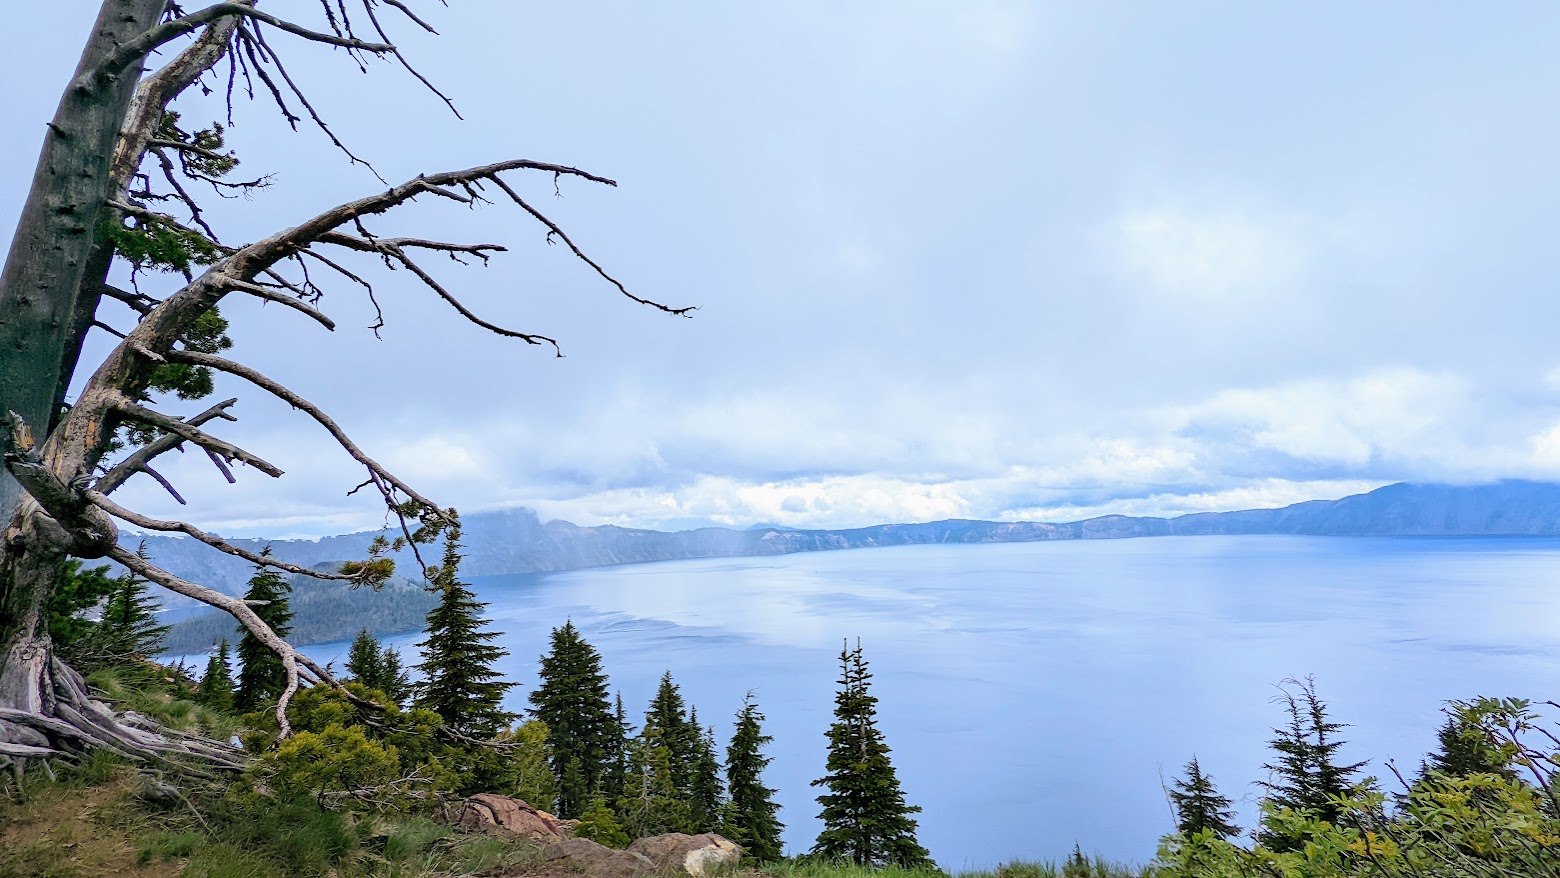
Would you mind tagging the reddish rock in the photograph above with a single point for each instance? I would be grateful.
(511, 818)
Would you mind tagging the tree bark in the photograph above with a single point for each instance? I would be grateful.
(63, 220)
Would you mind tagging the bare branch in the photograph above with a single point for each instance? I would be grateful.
(137, 49)
(224, 450)
(400, 256)
(254, 38)
(221, 466)
(141, 302)
(89, 532)
(377, 245)
(108, 329)
(409, 14)
(211, 540)
(189, 202)
(167, 485)
(292, 398)
(137, 462)
(555, 231)
(291, 658)
(374, 19)
(293, 302)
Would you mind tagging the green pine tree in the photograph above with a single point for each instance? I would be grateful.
(1465, 748)
(680, 737)
(1198, 805)
(1306, 776)
(261, 676)
(78, 591)
(865, 818)
(128, 624)
(572, 700)
(459, 682)
(377, 667)
(363, 658)
(619, 734)
(750, 815)
(528, 768)
(216, 685)
(707, 794)
(651, 804)
(599, 824)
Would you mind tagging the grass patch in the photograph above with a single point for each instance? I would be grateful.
(164, 695)
(1076, 866)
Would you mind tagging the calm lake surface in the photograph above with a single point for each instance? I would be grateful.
(1033, 693)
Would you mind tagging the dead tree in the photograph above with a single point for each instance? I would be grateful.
(64, 459)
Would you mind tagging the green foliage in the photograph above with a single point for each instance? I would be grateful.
(1479, 824)
(211, 161)
(459, 682)
(76, 590)
(129, 621)
(680, 737)
(619, 733)
(166, 695)
(1307, 777)
(262, 677)
(216, 684)
(1467, 747)
(599, 824)
(865, 818)
(206, 335)
(571, 700)
(816, 867)
(149, 243)
(126, 630)
(378, 667)
(528, 772)
(425, 758)
(1198, 805)
(337, 764)
(651, 804)
(706, 794)
(749, 818)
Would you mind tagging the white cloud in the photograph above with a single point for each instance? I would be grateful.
(1222, 257)
(1401, 413)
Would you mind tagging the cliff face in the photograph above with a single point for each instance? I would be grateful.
(516, 541)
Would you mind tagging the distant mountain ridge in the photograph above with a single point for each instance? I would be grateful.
(516, 541)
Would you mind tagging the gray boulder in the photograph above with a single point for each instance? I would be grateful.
(695, 855)
(597, 861)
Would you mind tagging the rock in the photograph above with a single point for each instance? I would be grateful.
(598, 861)
(696, 855)
(501, 815)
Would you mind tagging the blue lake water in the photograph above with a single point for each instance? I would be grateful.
(1033, 693)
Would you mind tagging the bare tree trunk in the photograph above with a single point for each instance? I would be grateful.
(63, 221)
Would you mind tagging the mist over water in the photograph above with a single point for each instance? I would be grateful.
(1032, 693)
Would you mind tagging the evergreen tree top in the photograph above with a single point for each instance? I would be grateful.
(866, 819)
(460, 683)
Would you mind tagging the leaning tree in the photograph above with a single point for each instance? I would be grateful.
(114, 181)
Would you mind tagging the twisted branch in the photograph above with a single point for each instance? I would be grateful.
(216, 542)
(225, 450)
(138, 461)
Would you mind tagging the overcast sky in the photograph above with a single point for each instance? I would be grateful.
(1003, 260)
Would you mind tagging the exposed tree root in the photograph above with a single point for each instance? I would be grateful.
(65, 721)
